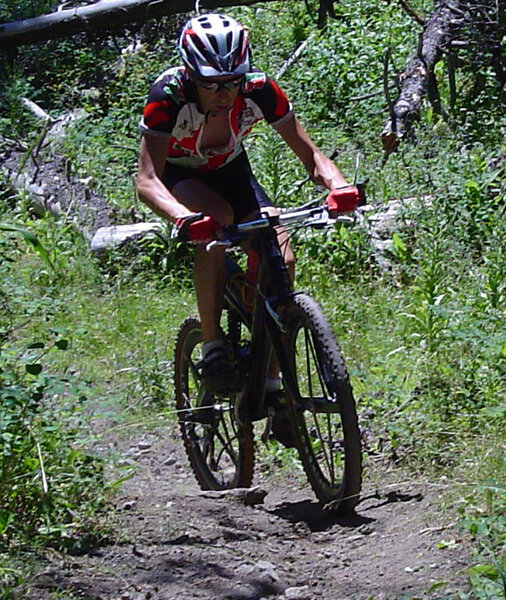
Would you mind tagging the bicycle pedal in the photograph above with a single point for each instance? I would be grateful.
(281, 430)
(244, 413)
(204, 416)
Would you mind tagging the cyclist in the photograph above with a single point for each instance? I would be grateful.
(193, 169)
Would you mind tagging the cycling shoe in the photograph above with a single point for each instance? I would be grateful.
(281, 429)
(218, 371)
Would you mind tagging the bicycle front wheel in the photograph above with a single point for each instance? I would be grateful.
(220, 451)
(321, 406)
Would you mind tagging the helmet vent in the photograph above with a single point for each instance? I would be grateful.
(214, 43)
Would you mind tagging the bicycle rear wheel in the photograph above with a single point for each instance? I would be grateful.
(321, 407)
(220, 451)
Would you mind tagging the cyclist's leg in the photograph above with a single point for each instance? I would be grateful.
(209, 267)
(246, 187)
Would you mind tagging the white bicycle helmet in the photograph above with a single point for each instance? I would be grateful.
(214, 45)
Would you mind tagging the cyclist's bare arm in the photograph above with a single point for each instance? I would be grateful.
(321, 169)
(149, 180)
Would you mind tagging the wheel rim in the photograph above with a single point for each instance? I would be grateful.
(317, 418)
(208, 426)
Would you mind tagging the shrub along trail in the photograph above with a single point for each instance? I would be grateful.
(171, 541)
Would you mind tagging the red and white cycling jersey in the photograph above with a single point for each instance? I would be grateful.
(172, 111)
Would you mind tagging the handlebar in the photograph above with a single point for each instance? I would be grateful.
(316, 218)
(308, 215)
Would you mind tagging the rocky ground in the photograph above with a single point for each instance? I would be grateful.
(174, 542)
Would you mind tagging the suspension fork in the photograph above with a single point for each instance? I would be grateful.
(260, 353)
(273, 283)
(276, 337)
(279, 287)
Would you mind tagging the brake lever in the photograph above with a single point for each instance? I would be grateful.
(322, 220)
(217, 243)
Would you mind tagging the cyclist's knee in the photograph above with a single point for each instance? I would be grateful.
(199, 197)
(289, 257)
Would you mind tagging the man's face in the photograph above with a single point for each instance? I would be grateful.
(217, 94)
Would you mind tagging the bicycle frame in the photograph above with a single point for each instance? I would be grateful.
(274, 291)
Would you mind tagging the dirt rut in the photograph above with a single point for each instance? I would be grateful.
(174, 542)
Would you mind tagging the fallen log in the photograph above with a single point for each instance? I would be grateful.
(418, 75)
(100, 16)
(108, 237)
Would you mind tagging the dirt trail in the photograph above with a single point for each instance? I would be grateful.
(174, 542)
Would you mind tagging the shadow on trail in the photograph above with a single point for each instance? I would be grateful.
(316, 518)
(389, 498)
(205, 572)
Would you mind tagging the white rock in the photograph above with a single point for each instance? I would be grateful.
(298, 593)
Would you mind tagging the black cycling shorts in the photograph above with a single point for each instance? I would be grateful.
(234, 181)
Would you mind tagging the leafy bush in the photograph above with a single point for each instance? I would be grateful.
(487, 526)
(50, 488)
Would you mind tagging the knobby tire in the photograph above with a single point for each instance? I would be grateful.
(329, 442)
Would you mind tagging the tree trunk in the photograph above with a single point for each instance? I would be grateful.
(103, 15)
(418, 75)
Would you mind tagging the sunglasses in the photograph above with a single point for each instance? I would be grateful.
(215, 87)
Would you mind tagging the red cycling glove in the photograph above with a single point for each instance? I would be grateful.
(341, 200)
(197, 228)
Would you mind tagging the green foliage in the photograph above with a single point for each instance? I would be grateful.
(31, 239)
(50, 488)
(14, 10)
(487, 525)
(14, 119)
(340, 253)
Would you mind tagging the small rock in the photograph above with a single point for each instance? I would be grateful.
(245, 570)
(366, 529)
(232, 535)
(298, 593)
(261, 572)
(248, 496)
(170, 461)
(267, 569)
(144, 445)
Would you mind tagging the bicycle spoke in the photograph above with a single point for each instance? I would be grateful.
(226, 441)
(220, 458)
(333, 466)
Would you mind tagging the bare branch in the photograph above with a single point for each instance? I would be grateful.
(293, 58)
(418, 73)
(412, 13)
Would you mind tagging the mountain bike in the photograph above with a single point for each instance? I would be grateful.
(264, 317)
